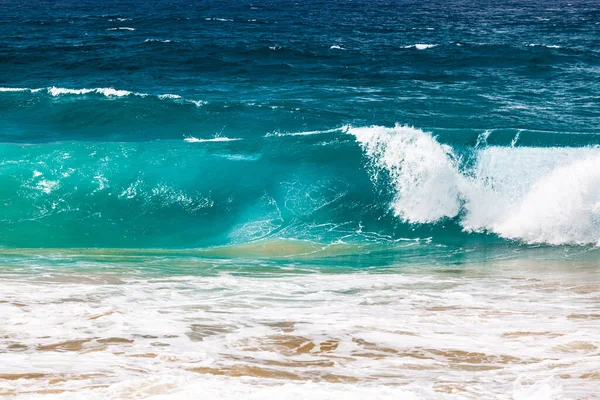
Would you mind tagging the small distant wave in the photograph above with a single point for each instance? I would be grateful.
(107, 92)
(192, 139)
(120, 19)
(157, 41)
(219, 19)
(121, 28)
(307, 133)
(197, 103)
(169, 96)
(275, 48)
(11, 89)
(337, 47)
(549, 46)
(420, 46)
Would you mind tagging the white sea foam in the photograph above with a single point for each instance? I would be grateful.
(11, 89)
(121, 28)
(55, 91)
(47, 186)
(219, 19)
(197, 103)
(425, 334)
(549, 46)
(192, 139)
(337, 47)
(307, 133)
(420, 46)
(118, 93)
(536, 195)
(169, 96)
(157, 41)
(108, 92)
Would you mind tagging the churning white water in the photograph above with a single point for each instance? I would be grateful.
(536, 195)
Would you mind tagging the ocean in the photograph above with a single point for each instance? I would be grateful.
(300, 199)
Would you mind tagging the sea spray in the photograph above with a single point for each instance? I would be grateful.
(534, 195)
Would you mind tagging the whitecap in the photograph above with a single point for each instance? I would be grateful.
(13, 89)
(307, 133)
(337, 47)
(197, 103)
(56, 91)
(169, 96)
(549, 46)
(420, 46)
(157, 41)
(121, 28)
(108, 92)
(114, 92)
(192, 139)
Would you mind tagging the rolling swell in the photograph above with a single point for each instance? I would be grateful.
(352, 184)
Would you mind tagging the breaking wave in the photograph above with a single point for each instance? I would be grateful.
(534, 195)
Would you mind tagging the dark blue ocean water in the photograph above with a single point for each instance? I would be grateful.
(194, 124)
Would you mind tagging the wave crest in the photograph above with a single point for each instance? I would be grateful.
(107, 92)
(535, 195)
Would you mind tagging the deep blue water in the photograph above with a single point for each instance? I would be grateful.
(106, 109)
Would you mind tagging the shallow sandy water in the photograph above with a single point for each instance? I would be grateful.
(511, 330)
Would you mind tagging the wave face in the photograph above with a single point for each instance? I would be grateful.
(202, 124)
(353, 184)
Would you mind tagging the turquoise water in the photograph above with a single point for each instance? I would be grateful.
(333, 199)
(192, 125)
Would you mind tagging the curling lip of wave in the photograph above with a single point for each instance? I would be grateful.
(534, 195)
(107, 92)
